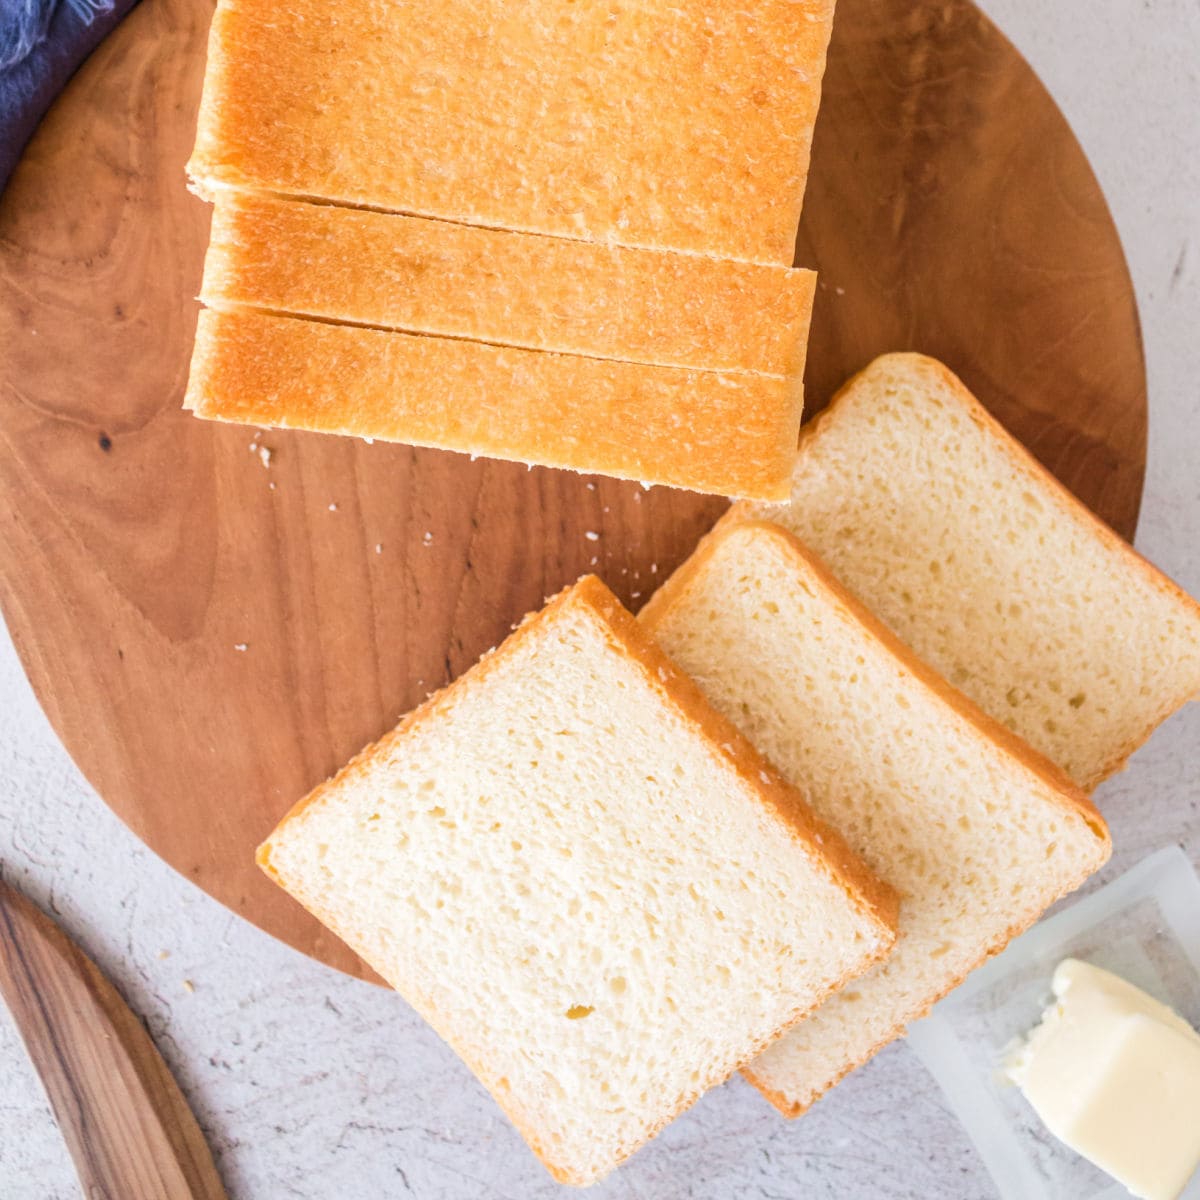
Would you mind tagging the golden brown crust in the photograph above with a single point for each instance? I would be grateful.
(874, 899)
(1038, 476)
(729, 434)
(513, 289)
(699, 116)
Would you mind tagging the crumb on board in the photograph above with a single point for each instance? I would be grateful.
(591, 535)
(271, 485)
(427, 537)
(264, 456)
(654, 568)
(594, 561)
(241, 646)
(332, 507)
(378, 547)
(591, 487)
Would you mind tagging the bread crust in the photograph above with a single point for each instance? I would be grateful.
(697, 134)
(825, 849)
(992, 736)
(1037, 476)
(717, 432)
(541, 293)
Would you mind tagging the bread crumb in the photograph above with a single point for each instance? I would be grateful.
(264, 456)
(840, 291)
(369, 441)
(654, 568)
(594, 561)
(592, 535)
(427, 538)
(591, 487)
(378, 547)
(164, 954)
(333, 508)
(271, 485)
(243, 646)
(188, 986)
(637, 497)
(634, 595)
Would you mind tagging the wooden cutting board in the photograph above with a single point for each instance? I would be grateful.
(211, 638)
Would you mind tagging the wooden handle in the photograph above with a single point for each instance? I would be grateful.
(124, 1120)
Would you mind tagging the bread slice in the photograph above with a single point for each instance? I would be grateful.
(684, 126)
(720, 432)
(973, 554)
(586, 880)
(978, 834)
(407, 273)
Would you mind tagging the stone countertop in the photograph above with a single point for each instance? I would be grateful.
(309, 1084)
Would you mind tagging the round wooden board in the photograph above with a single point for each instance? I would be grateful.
(211, 638)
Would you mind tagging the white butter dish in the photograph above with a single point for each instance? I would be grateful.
(1143, 926)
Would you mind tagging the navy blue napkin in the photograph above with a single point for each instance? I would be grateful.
(42, 43)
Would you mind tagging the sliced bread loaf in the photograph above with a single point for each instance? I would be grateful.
(514, 289)
(675, 126)
(977, 834)
(977, 558)
(723, 432)
(586, 880)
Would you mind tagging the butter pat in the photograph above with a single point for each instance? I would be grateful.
(1116, 1076)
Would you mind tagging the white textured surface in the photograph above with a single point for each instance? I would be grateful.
(311, 1085)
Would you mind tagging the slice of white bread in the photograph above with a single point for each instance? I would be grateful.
(514, 289)
(978, 834)
(721, 432)
(675, 126)
(586, 880)
(977, 558)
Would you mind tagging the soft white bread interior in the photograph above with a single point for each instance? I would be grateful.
(587, 880)
(977, 834)
(977, 558)
(513, 289)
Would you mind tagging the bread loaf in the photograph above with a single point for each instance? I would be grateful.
(681, 126)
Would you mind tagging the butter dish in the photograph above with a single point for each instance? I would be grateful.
(1143, 926)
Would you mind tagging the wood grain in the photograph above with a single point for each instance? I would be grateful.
(126, 1124)
(949, 210)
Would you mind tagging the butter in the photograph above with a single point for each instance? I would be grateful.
(1116, 1076)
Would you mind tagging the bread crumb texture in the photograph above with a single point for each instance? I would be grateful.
(576, 887)
(976, 842)
(926, 509)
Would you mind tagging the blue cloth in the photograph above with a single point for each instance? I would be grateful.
(42, 43)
